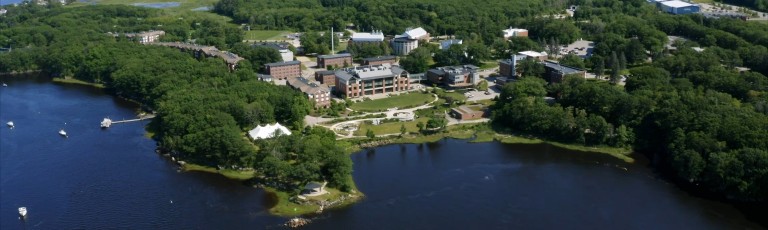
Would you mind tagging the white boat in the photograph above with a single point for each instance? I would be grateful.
(63, 133)
(23, 212)
(5, 85)
(10, 124)
(106, 123)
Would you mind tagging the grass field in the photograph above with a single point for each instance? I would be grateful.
(389, 128)
(399, 101)
(266, 34)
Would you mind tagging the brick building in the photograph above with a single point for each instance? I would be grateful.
(326, 77)
(317, 93)
(467, 112)
(454, 76)
(338, 60)
(370, 80)
(283, 70)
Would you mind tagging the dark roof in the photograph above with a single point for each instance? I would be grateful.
(335, 56)
(324, 72)
(274, 45)
(313, 186)
(561, 68)
(379, 58)
(307, 86)
(283, 63)
(264, 76)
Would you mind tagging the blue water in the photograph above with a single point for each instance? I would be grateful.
(9, 2)
(113, 179)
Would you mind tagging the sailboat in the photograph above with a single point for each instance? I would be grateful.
(23, 212)
(63, 133)
(106, 123)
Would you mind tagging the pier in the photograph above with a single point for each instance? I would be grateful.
(107, 122)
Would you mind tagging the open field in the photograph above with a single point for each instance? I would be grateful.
(399, 101)
(390, 128)
(266, 34)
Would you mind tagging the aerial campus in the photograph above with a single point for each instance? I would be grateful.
(576, 77)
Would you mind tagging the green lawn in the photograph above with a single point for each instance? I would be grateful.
(389, 128)
(186, 5)
(399, 101)
(266, 34)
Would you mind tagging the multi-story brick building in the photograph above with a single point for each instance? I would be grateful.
(370, 80)
(337, 60)
(454, 76)
(283, 70)
(326, 77)
(380, 60)
(317, 93)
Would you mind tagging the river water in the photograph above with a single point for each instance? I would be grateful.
(112, 178)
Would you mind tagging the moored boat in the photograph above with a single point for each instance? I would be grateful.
(23, 212)
(106, 123)
(10, 124)
(63, 133)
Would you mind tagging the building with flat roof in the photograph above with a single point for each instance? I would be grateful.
(316, 92)
(337, 60)
(283, 70)
(146, 37)
(515, 32)
(555, 72)
(465, 112)
(507, 67)
(326, 77)
(370, 80)
(375, 36)
(380, 60)
(454, 76)
(282, 47)
(678, 7)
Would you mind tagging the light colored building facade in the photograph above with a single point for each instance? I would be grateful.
(375, 36)
(317, 93)
(515, 32)
(370, 80)
(445, 44)
(146, 37)
(283, 70)
(409, 40)
(337, 60)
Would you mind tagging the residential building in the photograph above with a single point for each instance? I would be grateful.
(283, 70)
(282, 47)
(515, 32)
(467, 112)
(326, 77)
(555, 73)
(268, 131)
(370, 80)
(454, 76)
(392, 60)
(146, 37)
(409, 40)
(317, 93)
(444, 45)
(337, 60)
(678, 7)
(3, 11)
(375, 36)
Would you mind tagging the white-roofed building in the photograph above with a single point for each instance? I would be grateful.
(408, 41)
(375, 36)
(3, 11)
(371, 79)
(444, 45)
(515, 32)
(533, 54)
(678, 7)
(268, 131)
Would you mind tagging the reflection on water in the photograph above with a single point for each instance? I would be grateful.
(158, 5)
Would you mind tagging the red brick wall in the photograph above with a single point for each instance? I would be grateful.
(285, 71)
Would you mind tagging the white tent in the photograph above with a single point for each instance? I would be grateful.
(268, 131)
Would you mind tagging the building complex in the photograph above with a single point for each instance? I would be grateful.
(454, 76)
(317, 93)
(283, 70)
(409, 40)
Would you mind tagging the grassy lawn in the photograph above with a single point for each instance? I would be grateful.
(489, 65)
(389, 128)
(399, 101)
(266, 34)
(76, 81)
(231, 174)
(342, 46)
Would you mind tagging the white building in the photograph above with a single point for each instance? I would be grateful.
(146, 37)
(444, 45)
(268, 131)
(515, 32)
(375, 36)
(408, 41)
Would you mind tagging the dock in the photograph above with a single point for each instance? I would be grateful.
(107, 122)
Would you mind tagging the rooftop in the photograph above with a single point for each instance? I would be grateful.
(415, 33)
(335, 56)
(268, 131)
(285, 63)
(676, 4)
(307, 86)
(369, 72)
(379, 58)
(373, 36)
(533, 53)
(561, 68)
